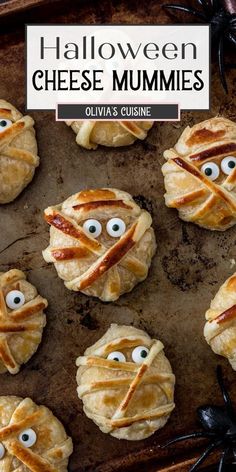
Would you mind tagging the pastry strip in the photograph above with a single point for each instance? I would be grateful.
(11, 277)
(94, 361)
(212, 186)
(188, 198)
(113, 255)
(16, 321)
(29, 309)
(31, 460)
(22, 155)
(128, 421)
(122, 382)
(10, 133)
(121, 410)
(83, 136)
(215, 151)
(119, 419)
(6, 356)
(133, 128)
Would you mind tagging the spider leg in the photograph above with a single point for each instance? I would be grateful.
(231, 38)
(224, 83)
(205, 455)
(205, 5)
(234, 453)
(197, 434)
(185, 9)
(225, 393)
(223, 459)
(232, 21)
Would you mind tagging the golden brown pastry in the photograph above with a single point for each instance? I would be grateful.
(101, 242)
(126, 383)
(18, 151)
(21, 320)
(200, 174)
(32, 439)
(220, 329)
(109, 133)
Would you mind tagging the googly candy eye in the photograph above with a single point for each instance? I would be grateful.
(116, 356)
(2, 451)
(15, 299)
(116, 227)
(4, 124)
(139, 354)
(211, 170)
(92, 228)
(228, 164)
(28, 437)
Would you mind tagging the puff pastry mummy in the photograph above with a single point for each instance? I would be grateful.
(220, 328)
(126, 383)
(32, 439)
(18, 151)
(101, 242)
(109, 133)
(21, 320)
(200, 174)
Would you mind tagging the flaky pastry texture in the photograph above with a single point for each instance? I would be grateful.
(18, 151)
(104, 266)
(32, 439)
(132, 397)
(220, 328)
(89, 134)
(21, 327)
(199, 178)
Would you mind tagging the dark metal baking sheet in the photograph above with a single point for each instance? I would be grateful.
(189, 266)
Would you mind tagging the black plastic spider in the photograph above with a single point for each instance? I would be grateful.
(219, 424)
(221, 15)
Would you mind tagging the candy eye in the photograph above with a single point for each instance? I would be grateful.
(15, 299)
(116, 227)
(116, 356)
(4, 124)
(2, 451)
(228, 164)
(139, 354)
(211, 170)
(93, 228)
(28, 437)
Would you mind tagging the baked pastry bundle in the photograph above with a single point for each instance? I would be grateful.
(89, 134)
(200, 174)
(126, 383)
(21, 320)
(32, 439)
(101, 242)
(220, 328)
(18, 151)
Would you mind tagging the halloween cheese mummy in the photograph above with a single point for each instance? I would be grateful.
(21, 320)
(101, 242)
(32, 439)
(18, 152)
(200, 174)
(220, 328)
(126, 383)
(109, 133)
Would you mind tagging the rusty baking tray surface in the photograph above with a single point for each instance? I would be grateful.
(189, 266)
